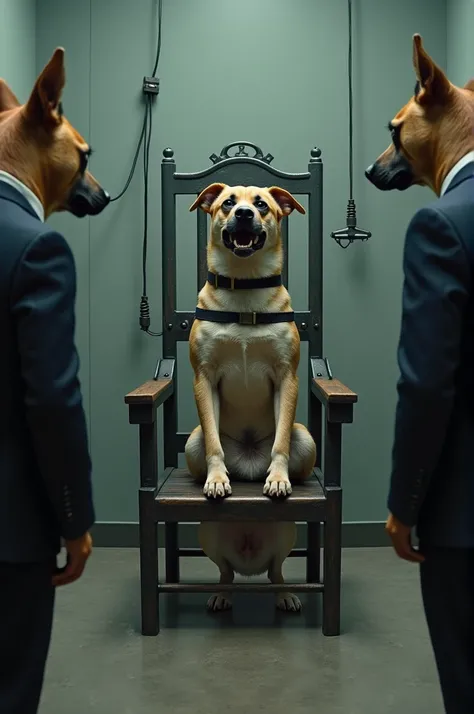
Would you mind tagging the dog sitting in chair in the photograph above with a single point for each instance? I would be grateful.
(245, 351)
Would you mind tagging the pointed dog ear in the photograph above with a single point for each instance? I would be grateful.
(7, 99)
(469, 85)
(434, 85)
(43, 106)
(207, 197)
(285, 200)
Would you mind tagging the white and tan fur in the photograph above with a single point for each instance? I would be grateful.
(246, 390)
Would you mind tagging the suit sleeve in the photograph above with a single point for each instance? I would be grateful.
(437, 283)
(43, 304)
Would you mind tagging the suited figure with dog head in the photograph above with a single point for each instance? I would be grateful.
(432, 480)
(45, 469)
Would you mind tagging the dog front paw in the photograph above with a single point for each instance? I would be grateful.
(277, 484)
(288, 602)
(217, 485)
(219, 602)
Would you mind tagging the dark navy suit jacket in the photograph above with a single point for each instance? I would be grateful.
(45, 486)
(432, 483)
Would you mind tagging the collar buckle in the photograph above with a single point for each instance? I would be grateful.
(247, 318)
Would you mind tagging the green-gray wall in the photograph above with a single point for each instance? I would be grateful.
(460, 48)
(18, 45)
(272, 72)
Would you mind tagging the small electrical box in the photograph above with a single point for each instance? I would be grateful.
(151, 85)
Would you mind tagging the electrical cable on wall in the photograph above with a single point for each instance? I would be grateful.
(351, 232)
(150, 88)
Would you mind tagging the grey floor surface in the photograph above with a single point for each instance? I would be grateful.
(250, 660)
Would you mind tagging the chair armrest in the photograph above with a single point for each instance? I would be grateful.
(332, 391)
(338, 399)
(154, 392)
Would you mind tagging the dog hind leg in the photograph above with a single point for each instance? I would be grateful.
(223, 600)
(286, 538)
(195, 453)
(302, 454)
(210, 541)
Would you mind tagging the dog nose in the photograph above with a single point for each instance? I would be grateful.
(369, 171)
(244, 214)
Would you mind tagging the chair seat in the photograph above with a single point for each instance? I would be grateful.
(181, 499)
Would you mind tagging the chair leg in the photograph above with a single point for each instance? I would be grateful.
(313, 560)
(332, 564)
(171, 553)
(149, 563)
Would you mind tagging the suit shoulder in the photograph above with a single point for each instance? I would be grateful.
(428, 215)
(457, 209)
(435, 221)
(16, 221)
(20, 231)
(23, 238)
(46, 240)
(47, 252)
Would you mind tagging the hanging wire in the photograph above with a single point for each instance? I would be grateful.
(134, 162)
(338, 239)
(349, 74)
(158, 47)
(351, 127)
(145, 141)
(145, 117)
(346, 236)
(144, 306)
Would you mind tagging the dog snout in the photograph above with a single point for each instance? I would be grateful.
(396, 173)
(244, 214)
(87, 198)
(379, 176)
(369, 171)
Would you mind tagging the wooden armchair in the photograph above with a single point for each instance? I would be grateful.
(172, 497)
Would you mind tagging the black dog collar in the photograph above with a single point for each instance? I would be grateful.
(221, 281)
(244, 318)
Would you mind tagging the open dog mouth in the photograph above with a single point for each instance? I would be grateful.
(243, 243)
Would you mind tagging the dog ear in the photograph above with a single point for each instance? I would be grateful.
(434, 85)
(285, 200)
(207, 197)
(43, 106)
(469, 85)
(7, 99)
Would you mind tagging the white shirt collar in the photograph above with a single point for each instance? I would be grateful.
(455, 170)
(27, 193)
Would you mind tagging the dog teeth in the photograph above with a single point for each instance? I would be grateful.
(238, 245)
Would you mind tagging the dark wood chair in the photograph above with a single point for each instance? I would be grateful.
(172, 497)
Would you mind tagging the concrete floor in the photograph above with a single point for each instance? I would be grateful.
(250, 660)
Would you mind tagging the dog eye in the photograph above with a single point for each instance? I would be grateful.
(261, 205)
(83, 160)
(228, 203)
(84, 157)
(395, 134)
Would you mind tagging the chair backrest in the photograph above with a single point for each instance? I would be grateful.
(234, 166)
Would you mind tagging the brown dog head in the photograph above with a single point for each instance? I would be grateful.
(429, 134)
(246, 219)
(40, 147)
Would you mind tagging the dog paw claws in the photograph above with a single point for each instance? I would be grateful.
(288, 602)
(277, 485)
(217, 486)
(219, 602)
